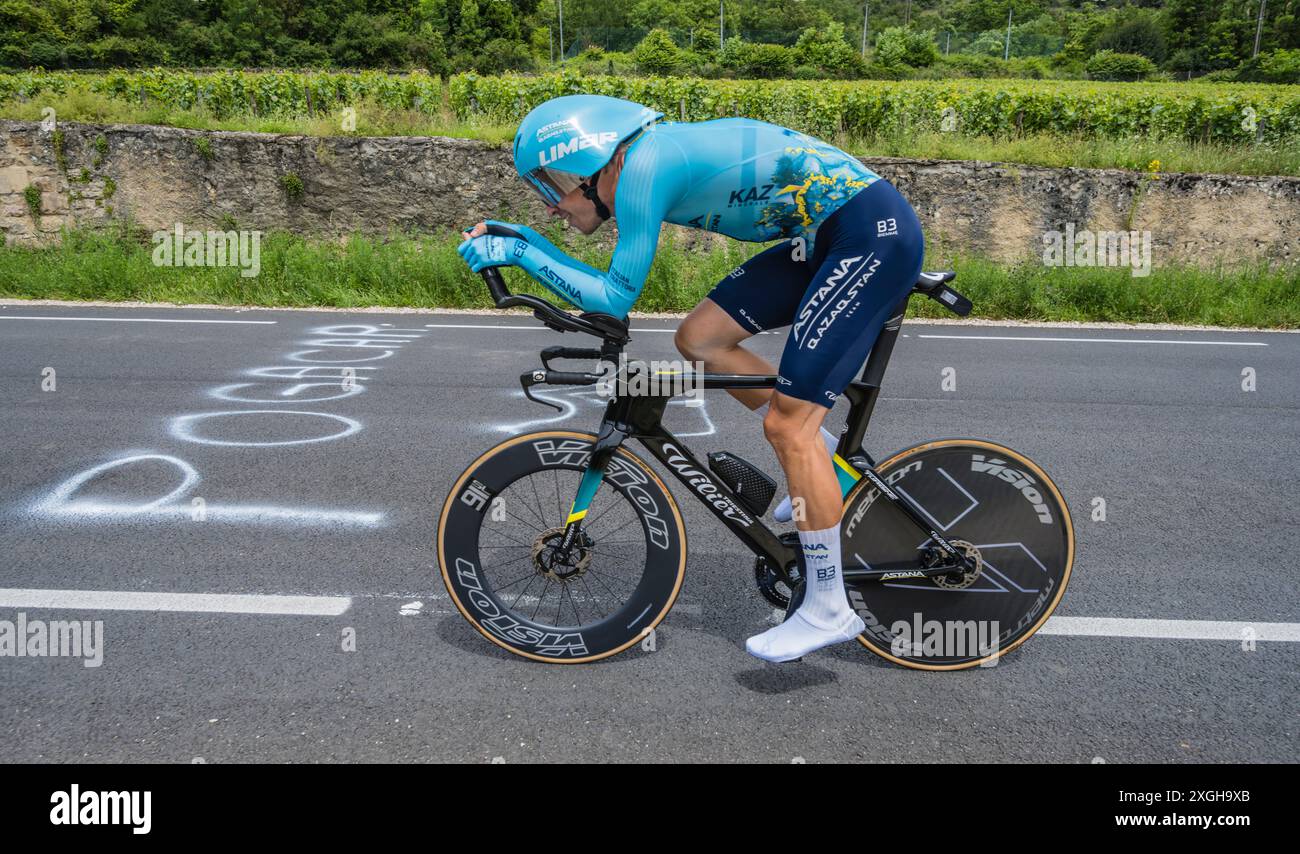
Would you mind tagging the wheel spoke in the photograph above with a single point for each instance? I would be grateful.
(521, 593)
(541, 598)
(497, 588)
(611, 578)
(594, 599)
(540, 510)
(520, 543)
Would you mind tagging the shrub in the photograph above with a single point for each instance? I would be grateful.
(292, 186)
(657, 53)
(768, 61)
(1108, 65)
(1275, 66)
(901, 46)
(32, 195)
(826, 49)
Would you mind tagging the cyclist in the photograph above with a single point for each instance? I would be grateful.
(851, 249)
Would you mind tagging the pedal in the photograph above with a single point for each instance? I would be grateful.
(752, 487)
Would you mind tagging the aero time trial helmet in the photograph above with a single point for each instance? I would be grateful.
(572, 137)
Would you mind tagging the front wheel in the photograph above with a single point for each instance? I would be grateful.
(992, 502)
(498, 543)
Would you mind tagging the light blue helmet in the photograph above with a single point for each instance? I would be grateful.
(572, 137)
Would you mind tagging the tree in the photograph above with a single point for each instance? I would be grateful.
(1186, 24)
(1139, 34)
(826, 49)
(368, 40)
(657, 53)
(900, 46)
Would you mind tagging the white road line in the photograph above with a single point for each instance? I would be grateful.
(135, 319)
(210, 603)
(333, 606)
(1119, 627)
(1096, 340)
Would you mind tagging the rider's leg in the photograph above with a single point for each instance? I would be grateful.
(712, 336)
(873, 248)
(759, 295)
(824, 617)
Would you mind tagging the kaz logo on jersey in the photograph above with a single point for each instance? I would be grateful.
(745, 196)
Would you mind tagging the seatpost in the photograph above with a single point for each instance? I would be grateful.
(872, 375)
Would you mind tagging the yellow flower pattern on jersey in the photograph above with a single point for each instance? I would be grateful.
(809, 179)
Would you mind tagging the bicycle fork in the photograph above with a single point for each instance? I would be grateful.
(612, 435)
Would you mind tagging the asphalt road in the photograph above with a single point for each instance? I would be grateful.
(232, 549)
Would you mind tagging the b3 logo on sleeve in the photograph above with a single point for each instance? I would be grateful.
(886, 227)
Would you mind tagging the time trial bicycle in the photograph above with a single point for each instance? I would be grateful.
(566, 546)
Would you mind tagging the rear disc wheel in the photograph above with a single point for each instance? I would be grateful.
(1005, 512)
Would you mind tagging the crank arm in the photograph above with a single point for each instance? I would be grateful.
(900, 571)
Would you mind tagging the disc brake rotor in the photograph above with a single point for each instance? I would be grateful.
(550, 561)
(953, 581)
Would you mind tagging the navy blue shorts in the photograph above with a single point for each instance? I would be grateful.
(866, 258)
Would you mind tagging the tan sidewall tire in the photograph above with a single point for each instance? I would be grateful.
(567, 434)
(1029, 465)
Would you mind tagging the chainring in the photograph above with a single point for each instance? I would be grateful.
(770, 583)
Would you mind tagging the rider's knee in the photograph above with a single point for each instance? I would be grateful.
(693, 343)
(781, 429)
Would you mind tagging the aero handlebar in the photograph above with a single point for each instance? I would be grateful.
(547, 312)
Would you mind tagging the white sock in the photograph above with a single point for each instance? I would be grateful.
(824, 617)
(784, 511)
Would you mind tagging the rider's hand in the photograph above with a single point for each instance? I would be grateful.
(490, 250)
(481, 250)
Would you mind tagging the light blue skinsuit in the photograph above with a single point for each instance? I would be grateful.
(756, 182)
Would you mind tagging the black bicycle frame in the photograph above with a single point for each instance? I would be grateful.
(640, 417)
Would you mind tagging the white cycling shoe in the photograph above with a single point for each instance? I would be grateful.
(798, 636)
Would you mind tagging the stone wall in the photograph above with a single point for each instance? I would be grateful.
(158, 177)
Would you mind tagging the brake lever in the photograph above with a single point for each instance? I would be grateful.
(528, 379)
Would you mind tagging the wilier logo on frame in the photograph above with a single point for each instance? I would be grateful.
(181, 248)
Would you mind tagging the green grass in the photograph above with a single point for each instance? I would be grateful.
(377, 120)
(1082, 153)
(372, 119)
(426, 272)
